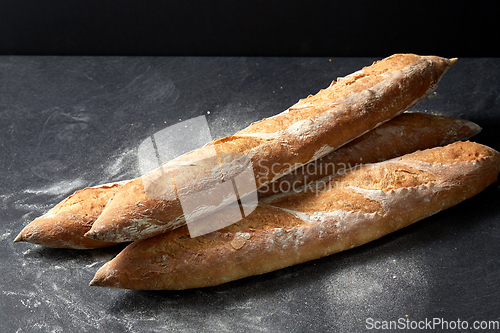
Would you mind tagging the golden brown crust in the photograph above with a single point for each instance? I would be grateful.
(307, 131)
(402, 135)
(64, 225)
(362, 205)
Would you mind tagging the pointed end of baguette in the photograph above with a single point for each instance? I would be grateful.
(94, 235)
(98, 230)
(105, 277)
(95, 283)
(107, 233)
(99, 279)
(473, 127)
(449, 64)
(443, 64)
(19, 237)
(118, 225)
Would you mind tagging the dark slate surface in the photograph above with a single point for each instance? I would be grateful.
(71, 122)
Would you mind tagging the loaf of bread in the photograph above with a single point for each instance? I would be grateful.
(64, 225)
(311, 129)
(402, 135)
(356, 207)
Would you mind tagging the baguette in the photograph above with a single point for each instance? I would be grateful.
(359, 206)
(64, 226)
(402, 135)
(309, 130)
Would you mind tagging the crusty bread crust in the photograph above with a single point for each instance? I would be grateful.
(312, 128)
(359, 206)
(402, 135)
(65, 224)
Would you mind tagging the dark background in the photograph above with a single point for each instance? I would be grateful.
(249, 28)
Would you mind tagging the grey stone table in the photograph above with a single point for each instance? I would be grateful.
(71, 122)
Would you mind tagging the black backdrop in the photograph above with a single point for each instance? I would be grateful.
(249, 28)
